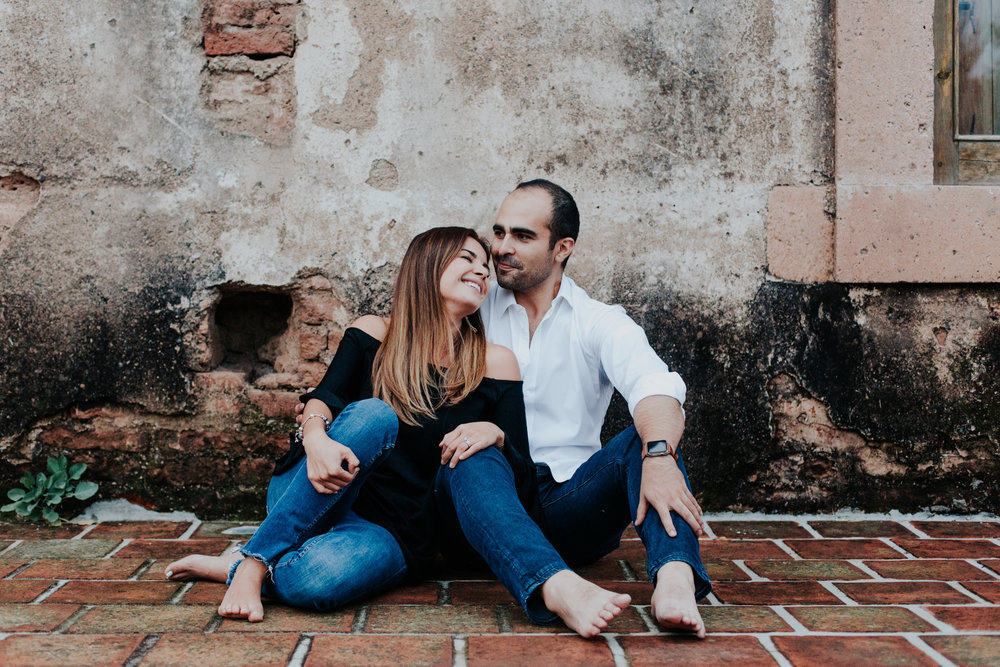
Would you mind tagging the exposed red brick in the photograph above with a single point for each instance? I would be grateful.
(541, 650)
(967, 650)
(333, 340)
(861, 529)
(843, 549)
(311, 373)
(758, 529)
(903, 592)
(754, 592)
(949, 548)
(117, 440)
(465, 619)
(992, 564)
(115, 592)
(278, 381)
(78, 651)
(968, 618)
(222, 649)
(850, 651)
(220, 381)
(81, 568)
(104, 411)
(720, 571)
(708, 652)
(724, 549)
(18, 590)
(147, 529)
(27, 531)
(859, 619)
(368, 651)
(793, 570)
(959, 528)
(256, 41)
(316, 307)
(274, 403)
(311, 344)
(161, 549)
(936, 570)
(8, 566)
(252, 14)
(34, 617)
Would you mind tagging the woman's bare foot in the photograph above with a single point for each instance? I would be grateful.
(242, 599)
(198, 566)
(584, 607)
(673, 604)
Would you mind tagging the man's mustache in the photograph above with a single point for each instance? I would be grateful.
(507, 259)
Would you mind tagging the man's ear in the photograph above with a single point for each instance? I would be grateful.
(564, 248)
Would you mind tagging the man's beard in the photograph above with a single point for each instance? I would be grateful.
(520, 280)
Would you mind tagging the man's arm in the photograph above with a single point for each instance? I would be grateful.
(663, 486)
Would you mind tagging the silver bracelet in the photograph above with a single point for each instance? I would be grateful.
(298, 431)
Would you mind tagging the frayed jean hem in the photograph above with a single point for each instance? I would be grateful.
(533, 604)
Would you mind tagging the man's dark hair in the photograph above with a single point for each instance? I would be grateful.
(565, 220)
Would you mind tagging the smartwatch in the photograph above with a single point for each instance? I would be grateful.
(659, 448)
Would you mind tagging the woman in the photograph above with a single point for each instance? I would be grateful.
(351, 510)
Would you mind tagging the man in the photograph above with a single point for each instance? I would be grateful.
(573, 351)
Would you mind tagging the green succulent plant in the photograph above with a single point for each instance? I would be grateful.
(43, 493)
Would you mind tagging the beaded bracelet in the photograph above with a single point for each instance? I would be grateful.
(298, 431)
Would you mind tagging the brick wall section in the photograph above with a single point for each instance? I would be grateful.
(249, 28)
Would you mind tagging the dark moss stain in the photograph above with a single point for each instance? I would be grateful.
(877, 381)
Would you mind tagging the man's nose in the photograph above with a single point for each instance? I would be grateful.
(504, 247)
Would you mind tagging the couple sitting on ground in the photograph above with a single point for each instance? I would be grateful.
(419, 440)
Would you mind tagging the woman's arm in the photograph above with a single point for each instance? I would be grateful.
(330, 465)
(467, 439)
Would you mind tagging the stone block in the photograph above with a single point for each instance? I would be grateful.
(220, 381)
(311, 345)
(275, 403)
(799, 234)
(316, 307)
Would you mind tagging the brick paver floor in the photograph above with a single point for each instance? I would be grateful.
(788, 591)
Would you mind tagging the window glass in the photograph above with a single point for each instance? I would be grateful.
(977, 32)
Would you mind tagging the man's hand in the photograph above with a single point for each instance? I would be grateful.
(663, 489)
(468, 439)
(330, 466)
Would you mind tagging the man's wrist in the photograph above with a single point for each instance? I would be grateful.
(659, 448)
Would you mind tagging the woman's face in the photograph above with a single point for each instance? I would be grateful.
(464, 282)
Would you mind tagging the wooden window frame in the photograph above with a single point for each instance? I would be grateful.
(965, 160)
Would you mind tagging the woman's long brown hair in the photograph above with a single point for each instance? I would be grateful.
(407, 366)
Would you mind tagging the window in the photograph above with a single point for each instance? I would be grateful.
(967, 94)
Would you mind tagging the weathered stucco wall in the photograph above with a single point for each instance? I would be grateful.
(196, 198)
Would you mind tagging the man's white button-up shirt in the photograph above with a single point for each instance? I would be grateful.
(581, 351)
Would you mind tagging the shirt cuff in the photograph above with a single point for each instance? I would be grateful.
(657, 384)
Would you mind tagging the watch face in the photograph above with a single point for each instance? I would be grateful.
(658, 448)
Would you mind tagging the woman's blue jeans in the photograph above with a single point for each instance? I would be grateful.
(319, 553)
(585, 517)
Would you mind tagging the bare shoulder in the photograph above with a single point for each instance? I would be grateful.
(501, 364)
(373, 325)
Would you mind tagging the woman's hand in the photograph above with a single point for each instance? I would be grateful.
(330, 466)
(468, 439)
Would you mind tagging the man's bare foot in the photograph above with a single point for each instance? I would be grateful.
(242, 599)
(584, 607)
(673, 604)
(198, 566)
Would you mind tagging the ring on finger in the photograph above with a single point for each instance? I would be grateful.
(467, 442)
